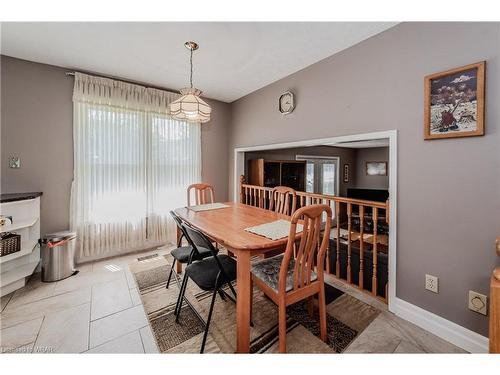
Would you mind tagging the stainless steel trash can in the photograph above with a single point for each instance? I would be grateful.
(58, 255)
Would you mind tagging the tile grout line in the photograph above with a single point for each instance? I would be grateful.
(142, 341)
(116, 312)
(397, 346)
(113, 313)
(38, 334)
(119, 337)
(43, 315)
(47, 297)
(10, 298)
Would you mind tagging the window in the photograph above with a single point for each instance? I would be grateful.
(132, 164)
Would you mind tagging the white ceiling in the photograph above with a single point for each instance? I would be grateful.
(234, 59)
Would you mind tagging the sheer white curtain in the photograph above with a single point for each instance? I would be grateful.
(132, 164)
(174, 164)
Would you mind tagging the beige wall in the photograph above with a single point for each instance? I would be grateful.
(37, 118)
(448, 190)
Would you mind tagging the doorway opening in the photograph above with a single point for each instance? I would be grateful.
(369, 174)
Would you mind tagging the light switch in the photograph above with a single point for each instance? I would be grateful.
(14, 162)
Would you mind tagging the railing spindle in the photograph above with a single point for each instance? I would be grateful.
(361, 244)
(337, 264)
(374, 251)
(349, 248)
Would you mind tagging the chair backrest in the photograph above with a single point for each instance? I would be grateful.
(283, 200)
(203, 194)
(311, 249)
(198, 239)
(178, 222)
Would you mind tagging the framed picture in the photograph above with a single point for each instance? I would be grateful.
(376, 168)
(454, 102)
(346, 172)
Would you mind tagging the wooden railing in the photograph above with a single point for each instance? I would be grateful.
(342, 209)
(495, 307)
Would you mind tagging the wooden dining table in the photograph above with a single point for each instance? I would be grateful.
(227, 227)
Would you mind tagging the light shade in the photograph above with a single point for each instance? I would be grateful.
(190, 107)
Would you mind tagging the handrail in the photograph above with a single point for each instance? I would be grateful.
(359, 202)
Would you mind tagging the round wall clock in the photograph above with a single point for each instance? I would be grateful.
(286, 103)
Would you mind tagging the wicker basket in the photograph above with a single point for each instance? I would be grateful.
(9, 243)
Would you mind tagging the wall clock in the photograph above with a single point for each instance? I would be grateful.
(286, 102)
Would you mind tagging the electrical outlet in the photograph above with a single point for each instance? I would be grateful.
(432, 283)
(478, 302)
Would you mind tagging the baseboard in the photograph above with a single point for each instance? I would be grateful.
(462, 337)
(149, 245)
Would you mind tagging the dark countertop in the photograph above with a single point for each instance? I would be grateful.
(13, 197)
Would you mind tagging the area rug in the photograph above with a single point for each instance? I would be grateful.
(347, 317)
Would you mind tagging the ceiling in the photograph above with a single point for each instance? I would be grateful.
(384, 142)
(234, 59)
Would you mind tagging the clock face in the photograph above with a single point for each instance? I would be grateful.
(286, 104)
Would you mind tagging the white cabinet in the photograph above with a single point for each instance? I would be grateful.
(25, 212)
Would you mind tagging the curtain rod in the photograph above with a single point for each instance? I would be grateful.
(123, 80)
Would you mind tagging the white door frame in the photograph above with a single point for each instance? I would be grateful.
(239, 169)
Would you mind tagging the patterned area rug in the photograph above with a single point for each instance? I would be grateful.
(151, 275)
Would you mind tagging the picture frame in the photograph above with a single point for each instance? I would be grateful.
(454, 102)
(346, 173)
(376, 168)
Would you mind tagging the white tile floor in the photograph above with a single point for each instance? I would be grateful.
(96, 311)
(99, 311)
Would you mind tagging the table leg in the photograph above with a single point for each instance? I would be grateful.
(243, 284)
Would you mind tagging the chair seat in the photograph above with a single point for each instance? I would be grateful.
(268, 270)
(181, 254)
(204, 273)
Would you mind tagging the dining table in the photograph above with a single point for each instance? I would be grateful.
(227, 226)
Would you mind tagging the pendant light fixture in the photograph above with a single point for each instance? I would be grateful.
(190, 107)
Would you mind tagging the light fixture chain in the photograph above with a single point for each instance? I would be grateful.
(191, 62)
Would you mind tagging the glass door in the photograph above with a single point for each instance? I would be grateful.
(328, 176)
(321, 174)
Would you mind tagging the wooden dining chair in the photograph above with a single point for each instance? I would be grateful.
(203, 194)
(280, 200)
(287, 279)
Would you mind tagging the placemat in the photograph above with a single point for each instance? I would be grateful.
(208, 206)
(274, 230)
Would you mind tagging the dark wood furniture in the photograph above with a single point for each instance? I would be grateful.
(272, 173)
(298, 273)
(227, 227)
